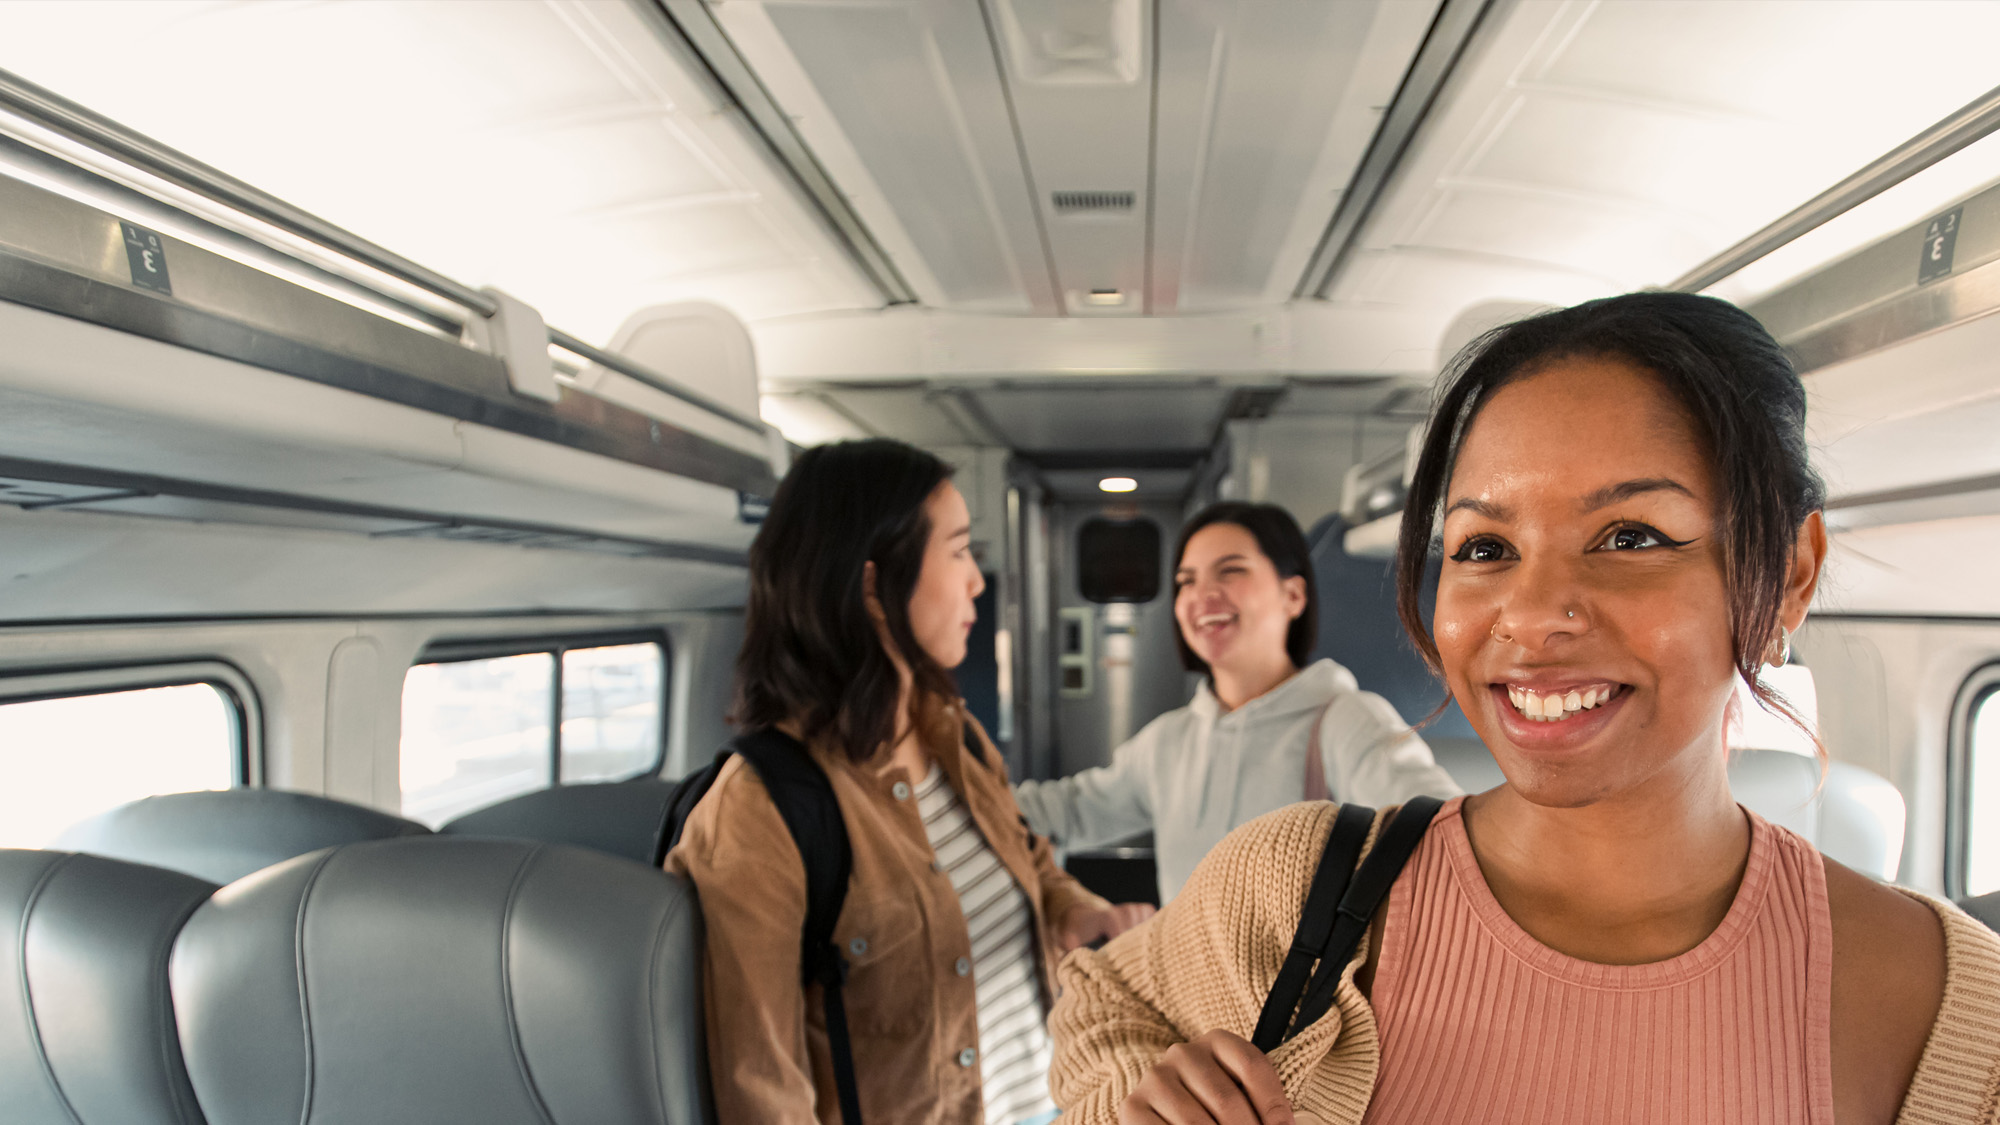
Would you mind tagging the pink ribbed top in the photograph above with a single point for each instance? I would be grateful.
(1482, 1023)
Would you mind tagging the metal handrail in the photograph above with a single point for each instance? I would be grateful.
(1969, 124)
(58, 114)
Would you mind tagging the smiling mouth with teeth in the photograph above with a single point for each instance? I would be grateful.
(1554, 707)
(1207, 619)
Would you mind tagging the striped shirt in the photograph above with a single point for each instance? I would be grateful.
(1014, 1048)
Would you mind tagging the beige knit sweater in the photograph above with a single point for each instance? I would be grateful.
(1209, 958)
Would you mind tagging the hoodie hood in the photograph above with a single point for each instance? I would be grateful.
(1309, 689)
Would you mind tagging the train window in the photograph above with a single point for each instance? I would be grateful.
(612, 723)
(1118, 560)
(478, 728)
(1972, 857)
(70, 757)
(475, 732)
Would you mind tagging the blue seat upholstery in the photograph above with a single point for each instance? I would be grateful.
(622, 818)
(86, 1021)
(222, 835)
(1358, 627)
(446, 979)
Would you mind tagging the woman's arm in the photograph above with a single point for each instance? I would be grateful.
(1173, 999)
(1096, 806)
(752, 886)
(1372, 757)
(1076, 915)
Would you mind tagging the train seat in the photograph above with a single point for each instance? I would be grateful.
(224, 834)
(1857, 818)
(446, 978)
(86, 1021)
(623, 818)
(1986, 908)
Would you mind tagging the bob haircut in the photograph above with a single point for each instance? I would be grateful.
(1279, 537)
(810, 650)
(1738, 389)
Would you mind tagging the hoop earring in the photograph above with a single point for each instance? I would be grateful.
(1778, 653)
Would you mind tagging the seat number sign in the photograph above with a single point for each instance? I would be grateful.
(148, 259)
(1940, 237)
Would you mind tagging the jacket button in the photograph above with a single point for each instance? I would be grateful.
(967, 1057)
(901, 789)
(858, 946)
(962, 967)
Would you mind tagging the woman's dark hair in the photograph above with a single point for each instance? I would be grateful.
(1279, 537)
(1738, 389)
(810, 651)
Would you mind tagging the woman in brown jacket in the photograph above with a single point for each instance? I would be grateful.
(862, 583)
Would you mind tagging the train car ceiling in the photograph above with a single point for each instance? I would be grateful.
(1182, 241)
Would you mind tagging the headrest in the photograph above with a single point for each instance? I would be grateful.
(86, 1024)
(224, 834)
(441, 978)
(623, 818)
(1986, 908)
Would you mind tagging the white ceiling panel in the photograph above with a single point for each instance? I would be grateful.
(1589, 149)
(551, 148)
(1265, 109)
(1047, 416)
(910, 95)
(910, 414)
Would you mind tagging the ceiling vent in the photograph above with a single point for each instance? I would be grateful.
(1093, 202)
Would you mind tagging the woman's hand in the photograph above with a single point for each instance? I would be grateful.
(1217, 1078)
(1083, 924)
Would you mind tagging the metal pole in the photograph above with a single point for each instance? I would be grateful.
(653, 379)
(1948, 136)
(62, 116)
(55, 112)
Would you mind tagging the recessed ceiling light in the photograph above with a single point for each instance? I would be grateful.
(1104, 297)
(1117, 484)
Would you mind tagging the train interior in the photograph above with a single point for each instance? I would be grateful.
(389, 394)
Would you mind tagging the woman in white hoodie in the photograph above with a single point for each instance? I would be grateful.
(1245, 745)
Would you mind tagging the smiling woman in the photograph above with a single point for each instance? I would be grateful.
(1627, 524)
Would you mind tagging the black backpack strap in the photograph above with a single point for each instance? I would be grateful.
(688, 792)
(1329, 883)
(1365, 893)
(805, 799)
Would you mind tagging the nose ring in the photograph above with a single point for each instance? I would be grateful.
(1572, 613)
(1496, 634)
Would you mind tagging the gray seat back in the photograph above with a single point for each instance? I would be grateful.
(1986, 908)
(437, 979)
(622, 818)
(86, 1023)
(222, 835)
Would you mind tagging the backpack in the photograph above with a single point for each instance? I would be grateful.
(805, 800)
(1339, 904)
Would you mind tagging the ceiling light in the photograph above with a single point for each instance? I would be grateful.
(1104, 297)
(1117, 484)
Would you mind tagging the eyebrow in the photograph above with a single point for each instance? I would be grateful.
(1602, 498)
(965, 531)
(1496, 512)
(1217, 562)
(1612, 494)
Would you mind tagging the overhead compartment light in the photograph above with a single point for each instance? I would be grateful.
(1117, 484)
(1104, 298)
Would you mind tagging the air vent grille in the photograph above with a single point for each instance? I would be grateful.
(1092, 202)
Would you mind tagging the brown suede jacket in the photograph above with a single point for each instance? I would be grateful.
(909, 1012)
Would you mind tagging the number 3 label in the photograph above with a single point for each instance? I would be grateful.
(146, 254)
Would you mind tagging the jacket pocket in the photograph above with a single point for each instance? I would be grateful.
(887, 947)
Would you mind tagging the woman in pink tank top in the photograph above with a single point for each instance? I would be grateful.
(1620, 500)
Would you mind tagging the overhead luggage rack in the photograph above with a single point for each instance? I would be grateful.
(282, 290)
